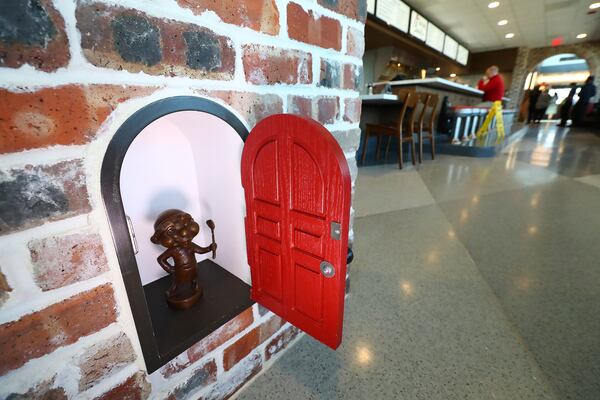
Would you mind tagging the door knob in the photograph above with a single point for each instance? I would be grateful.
(327, 269)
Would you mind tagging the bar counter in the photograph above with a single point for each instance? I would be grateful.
(458, 93)
(384, 107)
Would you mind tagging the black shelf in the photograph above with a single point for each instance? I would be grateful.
(225, 296)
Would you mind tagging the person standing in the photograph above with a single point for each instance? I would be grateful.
(585, 94)
(492, 85)
(533, 98)
(541, 105)
(567, 105)
(553, 107)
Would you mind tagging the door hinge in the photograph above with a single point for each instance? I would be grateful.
(132, 235)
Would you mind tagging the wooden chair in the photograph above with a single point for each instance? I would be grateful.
(402, 129)
(371, 130)
(423, 103)
(428, 131)
(406, 126)
(376, 130)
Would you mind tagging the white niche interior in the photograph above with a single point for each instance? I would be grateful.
(189, 160)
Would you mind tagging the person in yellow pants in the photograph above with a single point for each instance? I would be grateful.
(492, 86)
(495, 111)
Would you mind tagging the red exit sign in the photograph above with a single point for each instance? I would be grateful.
(557, 41)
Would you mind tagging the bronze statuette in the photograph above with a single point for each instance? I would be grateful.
(175, 229)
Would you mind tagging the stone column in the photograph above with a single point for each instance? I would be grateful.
(519, 74)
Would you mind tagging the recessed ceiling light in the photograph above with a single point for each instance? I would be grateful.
(593, 6)
(494, 4)
(452, 75)
(437, 68)
(502, 22)
(581, 36)
(509, 35)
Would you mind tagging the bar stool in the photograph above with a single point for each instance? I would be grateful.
(429, 128)
(461, 118)
(471, 122)
(481, 113)
(476, 123)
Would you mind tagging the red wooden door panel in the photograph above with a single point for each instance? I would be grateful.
(297, 188)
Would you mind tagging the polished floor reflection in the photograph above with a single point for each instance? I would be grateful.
(473, 279)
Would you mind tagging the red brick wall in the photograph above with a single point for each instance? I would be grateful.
(70, 74)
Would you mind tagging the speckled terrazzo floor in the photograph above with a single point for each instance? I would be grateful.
(473, 279)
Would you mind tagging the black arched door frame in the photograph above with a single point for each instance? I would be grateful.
(111, 196)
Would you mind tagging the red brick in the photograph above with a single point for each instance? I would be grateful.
(238, 377)
(209, 343)
(5, 289)
(252, 106)
(63, 115)
(270, 65)
(241, 348)
(352, 76)
(307, 27)
(331, 74)
(269, 327)
(300, 105)
(352, 108)
(136, 387)
(34, 34)
(42, 391)
(356, 9)
(260, 15)
(201, 377)
(36, 194)
(329, 109)
(337, 75)
(244, 345)
(62, 260)
(104, 358)
(355, 43)
(122, 38)
(61, 324)
(280, 341)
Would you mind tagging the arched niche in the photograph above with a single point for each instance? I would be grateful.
(180, 152)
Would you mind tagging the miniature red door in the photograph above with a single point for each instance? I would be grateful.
(297, 189)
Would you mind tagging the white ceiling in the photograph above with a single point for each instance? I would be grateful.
(534, 22)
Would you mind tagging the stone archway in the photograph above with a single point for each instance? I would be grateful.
(536, 56)
(529, 58)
